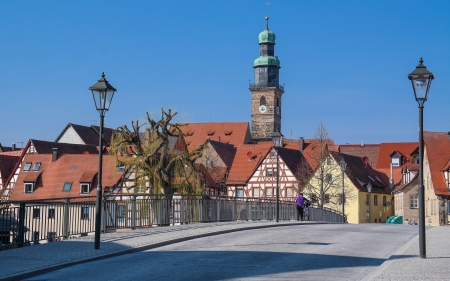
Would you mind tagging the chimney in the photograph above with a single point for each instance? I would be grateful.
(362, 143)
(13, 147)
(54, 154)
(301, 144)
(218, 139)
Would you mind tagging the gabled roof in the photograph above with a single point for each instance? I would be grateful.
(386, 149)
(407, 186)
(7, 164)
(369, 150)
(46, 147)
(234, 133)
(248, 158)
(225, 151)
(51, 176)
(89, 135)
(361, 174)
(437, 146)
(292, 158)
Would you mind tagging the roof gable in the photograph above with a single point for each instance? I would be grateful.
(437, 147)
(88, 135)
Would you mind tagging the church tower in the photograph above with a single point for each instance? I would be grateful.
(266, 89)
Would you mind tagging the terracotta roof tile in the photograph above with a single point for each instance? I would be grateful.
(437, 146)
(235, 133)
(386, 149)
(68, 168)
(225, 151)
(247, 159)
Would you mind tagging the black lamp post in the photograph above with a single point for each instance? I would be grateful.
(421, 81)
(369, 190)
(343, 166)
(102, 92)
(277, 138)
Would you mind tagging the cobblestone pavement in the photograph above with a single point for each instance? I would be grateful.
(324, 252)
(33, 260)
(407, 264)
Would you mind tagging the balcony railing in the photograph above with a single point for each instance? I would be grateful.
(253, 86)
(34, 222)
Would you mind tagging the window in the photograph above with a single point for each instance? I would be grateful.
(384, 200)
(84, 212)
(269, 192)
(240, 193)
(269, 173)
(414, 202)
(51, 212)
(395, 162)
(256, 192)
(375, 200)
(289, 192)
(313, 197)
(376, 221)
(36, 213)
(36, 166)
(29, 186)
(328, 161)
(275, 172)
(272, 155)
(67, 186)
(84, 188)
(329, 178)
(27, 166)
(121, 169)
(416, 159)
(326, 199)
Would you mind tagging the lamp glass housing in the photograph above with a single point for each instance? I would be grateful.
(421, 81)
(343, 165)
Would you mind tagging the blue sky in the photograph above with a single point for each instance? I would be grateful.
(344, 63)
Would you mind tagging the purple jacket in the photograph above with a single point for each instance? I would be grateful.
(300, 200)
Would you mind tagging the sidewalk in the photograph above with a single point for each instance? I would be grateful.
(406, 264)
(35, 260)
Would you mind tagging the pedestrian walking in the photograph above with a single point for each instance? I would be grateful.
(300, 202)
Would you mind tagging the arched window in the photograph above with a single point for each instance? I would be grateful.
(262, 101)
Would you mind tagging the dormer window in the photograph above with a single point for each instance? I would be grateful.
(396, 159)
(84, 188)
(121, 169)
(415, 159)
(406, 176)
(27, 166)
(36, 166)
(29, 187)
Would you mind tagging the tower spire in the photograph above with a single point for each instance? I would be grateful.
(267, 15)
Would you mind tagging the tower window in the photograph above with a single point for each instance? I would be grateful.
(262, 101)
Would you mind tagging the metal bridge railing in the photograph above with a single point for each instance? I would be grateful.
(34, 222)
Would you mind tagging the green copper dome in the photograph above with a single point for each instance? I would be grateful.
(267, 60)
(267, 36)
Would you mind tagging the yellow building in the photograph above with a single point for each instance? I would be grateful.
(366, 192)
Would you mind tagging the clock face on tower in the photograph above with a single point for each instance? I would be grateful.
(262, 109)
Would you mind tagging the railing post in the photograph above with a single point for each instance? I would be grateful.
(133, 212)
(103, 216)
(218, 208)
(21, 231)
(246, 209)
(233, 213)
(201, 208)
(159, 200)
(181, 210)
(66, 219)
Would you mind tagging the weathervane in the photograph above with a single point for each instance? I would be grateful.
(267, 15)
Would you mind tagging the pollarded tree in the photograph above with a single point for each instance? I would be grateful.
(159, 166)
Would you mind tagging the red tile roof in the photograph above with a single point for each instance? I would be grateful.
(248, 158)
(386, 149)
(68, 168)
(46, 147)
(235, 133)
(437, 147)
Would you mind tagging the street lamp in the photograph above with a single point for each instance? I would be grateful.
(369, 190)
(343, 166)
(102, 92)
(421, 81)
(277, 138)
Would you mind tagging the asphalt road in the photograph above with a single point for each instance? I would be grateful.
(298, 252)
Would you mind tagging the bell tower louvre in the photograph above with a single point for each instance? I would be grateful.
(266, 89)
